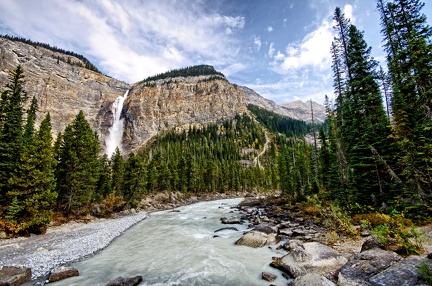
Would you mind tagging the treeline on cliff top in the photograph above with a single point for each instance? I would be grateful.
(87, 63)
(199, 70)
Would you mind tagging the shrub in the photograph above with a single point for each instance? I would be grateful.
(425, 272)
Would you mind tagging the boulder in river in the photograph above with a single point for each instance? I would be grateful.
(14, 276)
(257, 239)
(310, 257)
(226, 228)
(268, 277)
(231, 220)
(120, 281)
(62, 272)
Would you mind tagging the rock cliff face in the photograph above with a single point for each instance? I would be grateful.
(60, 88)
(178, 102)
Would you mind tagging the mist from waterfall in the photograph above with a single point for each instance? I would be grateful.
(115, 136)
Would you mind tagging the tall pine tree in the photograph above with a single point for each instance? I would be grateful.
(408, 44)
(33, 185)
(78, 167)
(11, 129)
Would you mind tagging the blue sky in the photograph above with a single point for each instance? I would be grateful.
(279, 48)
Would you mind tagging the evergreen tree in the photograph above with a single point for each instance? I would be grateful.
(134, 179)
(104, 185)
(365, 130)
(409, 55)
(29, 128)
(33, 185)
(11, 129)
(117, 172)
(78, 167)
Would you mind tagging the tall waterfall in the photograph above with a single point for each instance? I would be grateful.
(115, 136)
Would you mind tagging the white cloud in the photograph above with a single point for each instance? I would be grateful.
(271, 50)
(270, 29)
(313, 51)
(257, 42)
(233, 69)
(348, 12)
(126, 39)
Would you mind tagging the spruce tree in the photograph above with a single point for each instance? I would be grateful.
(29, 128)
(104, 185)
(134, 179)
(117, 172)
(33, 185)
(78, 167)
(365, 130)
(408, 44)
(11, 129)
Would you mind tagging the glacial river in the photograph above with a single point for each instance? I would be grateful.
(179, 248)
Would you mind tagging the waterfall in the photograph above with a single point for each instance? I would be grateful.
(115, 136)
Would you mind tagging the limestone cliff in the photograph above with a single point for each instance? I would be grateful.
(61, 88)
(178, 102)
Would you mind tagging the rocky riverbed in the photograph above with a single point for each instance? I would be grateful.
(310, 261)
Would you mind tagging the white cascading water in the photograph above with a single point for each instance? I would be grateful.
(115, 136)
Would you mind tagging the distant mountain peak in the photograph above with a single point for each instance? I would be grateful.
(297, 109)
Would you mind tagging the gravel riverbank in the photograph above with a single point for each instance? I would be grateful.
(63, 244)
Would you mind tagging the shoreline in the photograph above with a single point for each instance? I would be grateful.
(64, 244)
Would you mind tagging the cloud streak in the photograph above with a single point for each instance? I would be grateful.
(127, 39)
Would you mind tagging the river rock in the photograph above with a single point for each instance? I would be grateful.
(14, 276)
(264, 228)
(231, 220)
(120, 281)
(371, 243)
(257, 239)
(311, 279)
(226, 228)
(268, 277)
(62, 272)
(406, 271)
(311, 257)
(364, 265)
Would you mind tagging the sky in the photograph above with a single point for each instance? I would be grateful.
(279, 48)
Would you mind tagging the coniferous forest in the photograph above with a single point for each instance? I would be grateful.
(373, 154)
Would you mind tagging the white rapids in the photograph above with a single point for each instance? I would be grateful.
(179, 248)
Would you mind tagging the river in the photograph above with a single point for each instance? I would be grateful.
(179, 248)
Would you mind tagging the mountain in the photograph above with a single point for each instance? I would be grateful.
(63, 86)
(298, 109)
(195, 96)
